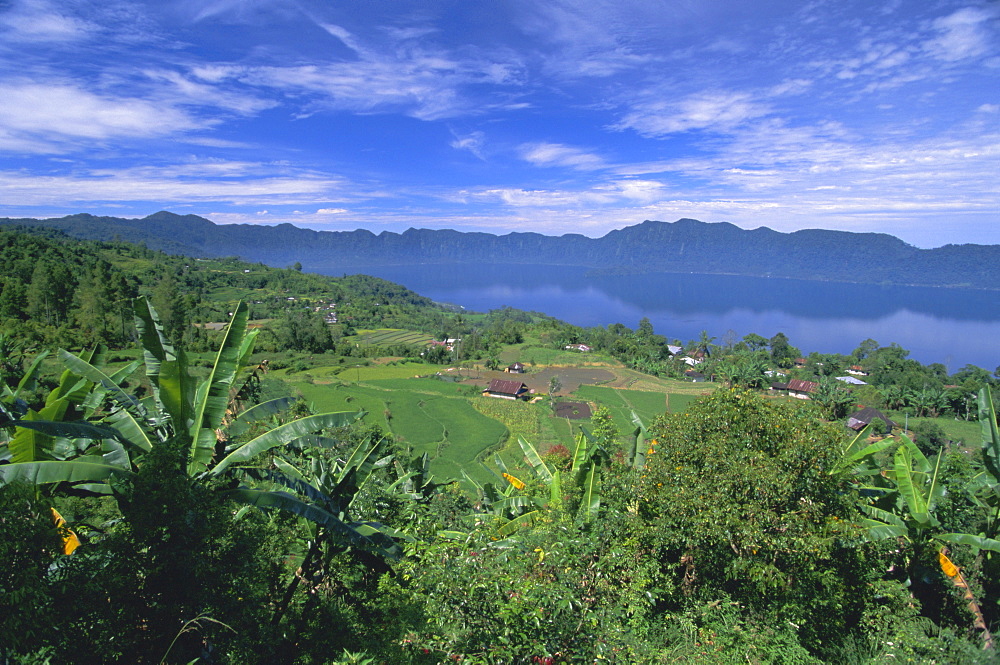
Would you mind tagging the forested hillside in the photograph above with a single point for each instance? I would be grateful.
(59, 291)
(683, 246)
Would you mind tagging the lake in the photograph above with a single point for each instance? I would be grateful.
(950, 326)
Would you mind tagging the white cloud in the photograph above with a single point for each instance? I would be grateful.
(236, 183)
(406, 77)
(713, 110)
(41, 21)
(966, 33)
(473, 142)
(554, 154)
(48, 114)
(182, 90)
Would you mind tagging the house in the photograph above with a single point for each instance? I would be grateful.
(578, 347)
(802, 389)
(692, 375)
(853, 380)
(505, 389)
(856, 370)
(674, 349)
(695, 357)
(858, 421)
(800, 362)
(516, 368)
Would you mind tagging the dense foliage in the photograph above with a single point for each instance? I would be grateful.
(209, 517)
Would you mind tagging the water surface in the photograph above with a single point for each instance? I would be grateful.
(950, 326)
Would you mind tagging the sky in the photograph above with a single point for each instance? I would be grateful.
(522, 115)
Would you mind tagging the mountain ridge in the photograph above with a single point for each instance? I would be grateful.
(687, 245)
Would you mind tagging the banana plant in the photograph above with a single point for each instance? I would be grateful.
(900, 504)
(322, 495)
(117, 429)
(638, 448)
(516, 509)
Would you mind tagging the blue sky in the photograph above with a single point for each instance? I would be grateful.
(555, 117)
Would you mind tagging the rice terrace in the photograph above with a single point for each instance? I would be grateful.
(441, 411)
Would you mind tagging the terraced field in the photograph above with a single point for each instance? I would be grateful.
(390, 336)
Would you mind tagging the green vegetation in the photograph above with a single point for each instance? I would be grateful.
(220, 508)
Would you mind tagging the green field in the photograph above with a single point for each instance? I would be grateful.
(428, 385)
(448, 428)
(389, 336)
(371, 373)
(456, 426)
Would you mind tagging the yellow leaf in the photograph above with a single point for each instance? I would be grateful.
(514, 481)
(947, 566)
(70, 540)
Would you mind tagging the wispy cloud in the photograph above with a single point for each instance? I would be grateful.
(236, 183)
(716, 111)
(970, 32)
(42, 21)
(54, 115)
(554, 154)
(473, 142)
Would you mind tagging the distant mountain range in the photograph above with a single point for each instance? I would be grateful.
(684, 246)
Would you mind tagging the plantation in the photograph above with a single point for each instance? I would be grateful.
(392, 338)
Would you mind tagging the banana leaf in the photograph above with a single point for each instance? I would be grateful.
(991, 435)
(535, 460)
(259, 412)
(590, 503)
(517, 523)
(364, 535)
(286, 433)
(980, 542)
(213, 396)
(72, 471)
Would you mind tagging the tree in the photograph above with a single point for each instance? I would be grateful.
(755, 342)
(739, 506)
(645, 329)
(555, 385)
(704, 343)
(782, 353)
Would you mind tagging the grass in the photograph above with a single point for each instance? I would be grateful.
(336, 397)
(403, 370)
(389, 336)
(427, 385)
(957, 430)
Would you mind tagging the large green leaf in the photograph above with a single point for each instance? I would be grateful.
(912, 484)
(284, 434)
(883, 524)
(991, 435)
(535, 460)
(362, 460)
(555, 491)
(213, 394)
(980, 542)
(518, 523)
(155, 347)
(581, 458)
(365, 535)
(128, 418)
(72, 471)
(30, 379)
(591, 500)
(257, 413)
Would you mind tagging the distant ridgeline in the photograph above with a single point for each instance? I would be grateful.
(686, 246)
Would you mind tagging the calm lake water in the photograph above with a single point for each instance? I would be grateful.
(950, 326)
